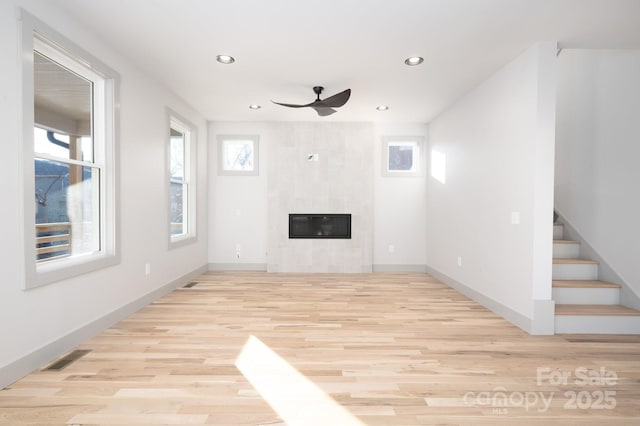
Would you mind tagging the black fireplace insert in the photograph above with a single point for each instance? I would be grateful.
(320, 225)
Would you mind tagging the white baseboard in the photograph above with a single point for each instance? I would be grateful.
(40, 357)
(399, 268)
(516, 318)
(259, 267)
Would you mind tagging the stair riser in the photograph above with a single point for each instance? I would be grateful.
(586, 296)
(587, 324)
(566, 251)
(557, 232)
(587, 271)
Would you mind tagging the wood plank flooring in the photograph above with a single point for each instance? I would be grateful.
(388, 349)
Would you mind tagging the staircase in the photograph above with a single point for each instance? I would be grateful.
(583, 303)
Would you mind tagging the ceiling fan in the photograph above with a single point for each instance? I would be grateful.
(326, 106)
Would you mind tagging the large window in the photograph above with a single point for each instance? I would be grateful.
(182, 191)
(69, 151)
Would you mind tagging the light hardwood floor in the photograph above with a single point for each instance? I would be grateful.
(388, 349)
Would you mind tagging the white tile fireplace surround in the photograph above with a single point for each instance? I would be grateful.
(320, 168)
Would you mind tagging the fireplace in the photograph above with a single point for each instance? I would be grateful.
(320, 225)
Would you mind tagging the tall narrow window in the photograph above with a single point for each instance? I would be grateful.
(181, 159)
(69, 146)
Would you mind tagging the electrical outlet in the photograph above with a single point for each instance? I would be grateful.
(460, 261)
(391, 248)
(147, 269)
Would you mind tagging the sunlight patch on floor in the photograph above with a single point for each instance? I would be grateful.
(294, 397)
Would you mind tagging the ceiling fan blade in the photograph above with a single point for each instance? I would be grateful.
(292, 105)
(337, 100)
(323, 111)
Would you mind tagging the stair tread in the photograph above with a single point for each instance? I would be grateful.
(572, 261)
(596, 310)
(583, 284)
(565, 242)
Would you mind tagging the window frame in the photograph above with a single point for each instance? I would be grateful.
(177, 122)
(37, 36)
(255, 139)
(419, 158)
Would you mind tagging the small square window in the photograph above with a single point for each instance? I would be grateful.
(402, 155)
(238, 155)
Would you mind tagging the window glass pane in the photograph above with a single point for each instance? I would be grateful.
(177, 154)
(86, 146)
(58, 145)
(62, 101)
(238, 155)
(401, 156)
(177, 202)
(67, 206)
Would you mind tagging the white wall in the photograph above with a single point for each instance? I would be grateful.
(498, 143)
(39, 324)
(400, 208)
(597, 154)
(238, 205)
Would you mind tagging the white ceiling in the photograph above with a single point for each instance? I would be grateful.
(285, 47)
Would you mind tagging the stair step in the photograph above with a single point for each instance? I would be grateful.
(583, 284)
(596, 310)
(574, 269)
(561, 261)
(585, 292)
(592, 293)
(596, 319)
(566, 249)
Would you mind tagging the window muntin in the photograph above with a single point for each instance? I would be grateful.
(69, 147)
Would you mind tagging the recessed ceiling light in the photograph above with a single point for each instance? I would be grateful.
(413, 60)
(255, 106)
(225, 59)
(382, 107)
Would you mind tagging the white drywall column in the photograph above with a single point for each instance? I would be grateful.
(542, 321)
